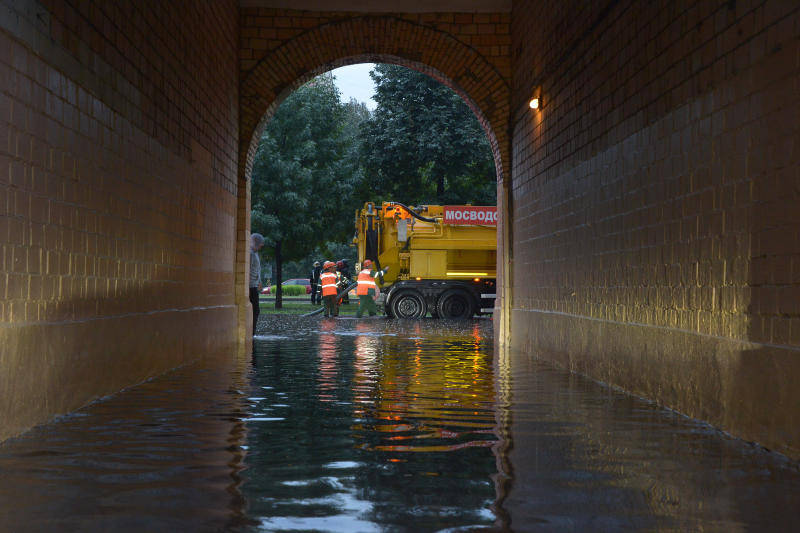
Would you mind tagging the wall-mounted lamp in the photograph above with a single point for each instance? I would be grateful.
(536, 98)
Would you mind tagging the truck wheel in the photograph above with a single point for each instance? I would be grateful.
(408, 304)
(455, 304)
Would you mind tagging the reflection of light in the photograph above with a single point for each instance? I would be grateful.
(433, 393)
(366, 347)
(366, 369)
(327, 381)
(437, 448)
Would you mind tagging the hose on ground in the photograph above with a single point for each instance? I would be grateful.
(342, 293)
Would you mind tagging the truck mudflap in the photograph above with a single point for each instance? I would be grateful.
(487, 301)
(453, 299)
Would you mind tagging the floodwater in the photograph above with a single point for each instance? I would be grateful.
(391, 426)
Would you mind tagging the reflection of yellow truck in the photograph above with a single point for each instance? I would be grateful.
(441, 259)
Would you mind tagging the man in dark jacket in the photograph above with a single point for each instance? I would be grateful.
(316, 297)
(344, 270)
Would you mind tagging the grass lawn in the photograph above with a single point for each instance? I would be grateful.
(298, 308)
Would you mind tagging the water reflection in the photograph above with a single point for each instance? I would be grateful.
(392, 428)
(163, 456)
(585, 457)
(381, 425)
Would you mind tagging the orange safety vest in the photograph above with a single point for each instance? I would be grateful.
(365, 283)
(328, 281)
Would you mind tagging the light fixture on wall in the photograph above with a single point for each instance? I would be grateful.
(536, 99)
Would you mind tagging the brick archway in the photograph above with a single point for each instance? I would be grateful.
(378, 39)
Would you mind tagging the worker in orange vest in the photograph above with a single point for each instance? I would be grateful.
(328, 282)
(367, 290)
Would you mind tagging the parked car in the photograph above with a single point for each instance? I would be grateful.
(299, 281)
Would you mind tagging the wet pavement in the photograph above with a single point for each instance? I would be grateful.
(380, 425)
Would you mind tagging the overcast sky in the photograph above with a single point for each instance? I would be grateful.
(354, 81)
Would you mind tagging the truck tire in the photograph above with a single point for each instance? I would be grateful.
(408, 304)
(455, 303)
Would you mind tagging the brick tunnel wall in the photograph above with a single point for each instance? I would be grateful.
(118, 187)
(655, 194)
(265, 29)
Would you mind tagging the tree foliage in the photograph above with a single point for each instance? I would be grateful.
(319, 159)
(423, 144)
(304, 173)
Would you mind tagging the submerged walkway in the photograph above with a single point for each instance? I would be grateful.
(378, 425)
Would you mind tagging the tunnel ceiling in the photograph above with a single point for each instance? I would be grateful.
(375, 6)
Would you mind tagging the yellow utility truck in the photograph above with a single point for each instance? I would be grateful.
(436, 259)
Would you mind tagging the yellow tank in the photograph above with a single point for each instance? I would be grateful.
(441, 259)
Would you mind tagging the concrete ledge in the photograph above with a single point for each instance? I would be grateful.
(50, 369)
(746, 389)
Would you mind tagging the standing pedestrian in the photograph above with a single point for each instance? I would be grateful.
(343, 268)
(314, 279)
(328, 281)
(256, 243)
(367, 290)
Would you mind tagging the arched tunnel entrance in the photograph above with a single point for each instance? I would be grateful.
(382, 39)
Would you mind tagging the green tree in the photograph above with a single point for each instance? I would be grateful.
(304, 174)
(331, 251)
(423, 144)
